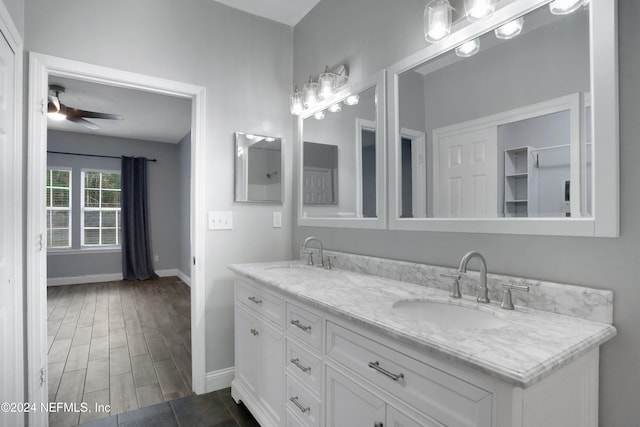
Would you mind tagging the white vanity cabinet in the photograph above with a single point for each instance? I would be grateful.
(301, 366)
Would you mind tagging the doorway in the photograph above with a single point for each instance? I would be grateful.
(41, 68)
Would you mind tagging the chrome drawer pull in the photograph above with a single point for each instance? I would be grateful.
(297, 323)
(255, 300)
(302, 368)
(294, 399)
(376, 365)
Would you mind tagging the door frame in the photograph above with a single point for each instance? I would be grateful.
(368, 125)
(11, 34)
(40, 67)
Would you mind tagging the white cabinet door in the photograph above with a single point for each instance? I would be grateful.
(396, 418)
(350, 405)
(246, 349)
(270, 370)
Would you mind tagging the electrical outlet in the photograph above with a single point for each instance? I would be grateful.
(220, 220)
(277, 219)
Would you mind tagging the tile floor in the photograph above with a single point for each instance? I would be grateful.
(123, 344)
(215, 409)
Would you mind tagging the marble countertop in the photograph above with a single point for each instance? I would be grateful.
(528, 346)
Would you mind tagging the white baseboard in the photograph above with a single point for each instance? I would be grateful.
(217, 380)
(186, 279)
(89, 278)
(97, 278)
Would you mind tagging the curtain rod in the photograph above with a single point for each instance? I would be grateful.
(93, 155)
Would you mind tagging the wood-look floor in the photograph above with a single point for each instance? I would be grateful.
(123, 344)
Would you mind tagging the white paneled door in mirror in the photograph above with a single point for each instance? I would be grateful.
(342, 159)
(520, 137)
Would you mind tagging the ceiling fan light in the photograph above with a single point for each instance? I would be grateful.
(468, 49)
(565, 7)
(479, 10)
(56, 116)
(437, 20)
(510, 29)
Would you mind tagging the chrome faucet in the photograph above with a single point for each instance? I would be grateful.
(307, 251)
(483, 295)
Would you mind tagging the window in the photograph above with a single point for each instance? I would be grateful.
(100, 208)
(58, 208)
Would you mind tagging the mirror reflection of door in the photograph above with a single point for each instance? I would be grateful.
(320, 174)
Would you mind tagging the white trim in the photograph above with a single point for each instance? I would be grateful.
(19, 378)
(86, 250)
(186, 279)
(89, 278)
(40, 67)
(605, 220)
(377, 81)
(361, 124)
(217, 380)
(418, 172)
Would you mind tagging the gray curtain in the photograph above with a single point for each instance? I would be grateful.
(136, 248)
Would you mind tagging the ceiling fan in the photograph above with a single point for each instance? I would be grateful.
(56, 110)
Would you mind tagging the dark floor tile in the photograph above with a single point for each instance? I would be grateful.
(203, 410)
(238, 411)
(159, 420)
(163, 409)
(104, 422)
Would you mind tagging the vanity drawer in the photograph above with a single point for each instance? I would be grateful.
(302, 403)
(304, 325)
(261, 301)
(304, 367)
(441, 396)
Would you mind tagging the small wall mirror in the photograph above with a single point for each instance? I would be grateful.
(258, 168)
(342, 160)
(498, 128)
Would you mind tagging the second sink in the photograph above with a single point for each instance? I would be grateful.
(446, 315)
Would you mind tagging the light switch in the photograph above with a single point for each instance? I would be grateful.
(277, 219)
(220, 220)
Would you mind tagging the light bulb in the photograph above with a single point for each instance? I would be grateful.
(335, 108)
(479, 10)
(468, 49)
(437, 20)
(56, 116)
(510, 29)
(310, 94)
(352, 100)
(319, 115)
(564, 7)
(326, 83)
(269, 139)
(295, 103)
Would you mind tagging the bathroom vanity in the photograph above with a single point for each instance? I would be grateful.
(317, 347)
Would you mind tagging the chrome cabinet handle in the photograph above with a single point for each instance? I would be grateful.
(376, 365)
(303, 368)
(255, 300)
(294, 399)
(297, 323)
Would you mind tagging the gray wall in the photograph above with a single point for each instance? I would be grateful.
(16, 10)
(184, 205)
(245, 64)
(163, 198)
(386, 32)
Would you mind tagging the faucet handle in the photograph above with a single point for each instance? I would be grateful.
(507, 302)
(329, 258)
(455, 286)
(309, 257)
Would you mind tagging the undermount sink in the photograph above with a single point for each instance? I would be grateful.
(447, 315)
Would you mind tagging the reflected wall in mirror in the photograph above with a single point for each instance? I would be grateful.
(501, 133)
(258, 168)
(340, 159)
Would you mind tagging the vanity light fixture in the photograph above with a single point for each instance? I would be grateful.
(479, 10)
(468, 49)
(295, 102)
(335, 108)
(319, 115)
(352, 100)
(510, 29)
(437, 20)
(326, 83)
(310, 94)
(565, 7)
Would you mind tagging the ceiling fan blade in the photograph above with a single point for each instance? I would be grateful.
(83, 122)
(74, 112)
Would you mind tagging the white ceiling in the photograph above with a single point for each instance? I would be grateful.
(147, 116)
(288, 12)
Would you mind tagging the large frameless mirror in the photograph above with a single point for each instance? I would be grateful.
(342, 156)
(494, 133)
(258, 168)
